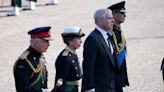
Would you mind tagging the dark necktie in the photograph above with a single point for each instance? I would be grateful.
(110, 40)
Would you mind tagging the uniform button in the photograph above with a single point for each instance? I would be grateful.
(77, 75)
(76, 68)
(73, 61)
(34, 58)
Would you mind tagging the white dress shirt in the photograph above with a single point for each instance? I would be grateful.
(105, 36)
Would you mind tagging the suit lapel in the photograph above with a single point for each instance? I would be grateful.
(102, 40)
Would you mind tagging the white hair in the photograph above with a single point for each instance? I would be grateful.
(101, 14)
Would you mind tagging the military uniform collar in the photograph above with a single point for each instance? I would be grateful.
(34, 52)
(116, 26)
(70, 50)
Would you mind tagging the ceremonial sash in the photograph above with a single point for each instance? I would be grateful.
(121, 55)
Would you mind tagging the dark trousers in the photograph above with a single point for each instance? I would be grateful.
(16, 3)
(119, 89)
(75, 89)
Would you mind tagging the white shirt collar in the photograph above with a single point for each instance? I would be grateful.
(105, 36)
(103, 32)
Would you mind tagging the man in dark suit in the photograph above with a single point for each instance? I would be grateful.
(99, 64)
(118, 11)
(30, 71)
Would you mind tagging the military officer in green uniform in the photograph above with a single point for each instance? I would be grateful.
(118, 11)
(29, 70)
(68, 70)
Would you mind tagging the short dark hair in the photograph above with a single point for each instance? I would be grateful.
(67, 39)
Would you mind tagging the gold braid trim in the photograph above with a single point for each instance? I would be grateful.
(121, 45)
(22, 57)
(32, 74)
(38, 69)
(123, 40)
(115, 41)
(40, 74)
(31, 66)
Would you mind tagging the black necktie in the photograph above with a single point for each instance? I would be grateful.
(110, 40)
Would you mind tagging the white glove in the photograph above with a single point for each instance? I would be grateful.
(91, 90)
(45, 90)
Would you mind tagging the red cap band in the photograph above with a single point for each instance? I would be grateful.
(43, 34)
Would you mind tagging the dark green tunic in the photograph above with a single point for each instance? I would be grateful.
(67, 69)
(26, 78)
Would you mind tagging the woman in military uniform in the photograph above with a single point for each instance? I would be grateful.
(68, 70)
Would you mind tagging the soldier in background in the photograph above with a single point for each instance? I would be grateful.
(52, 2)
(31, 6)
(68, 70)
(118, 11)
(30, 71)
(16, 4)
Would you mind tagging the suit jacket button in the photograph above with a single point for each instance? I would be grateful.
(73, 61)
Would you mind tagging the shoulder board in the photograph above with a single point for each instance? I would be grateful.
(24, 55)
(65, 53)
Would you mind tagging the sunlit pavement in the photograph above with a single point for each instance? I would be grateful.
(143, 29)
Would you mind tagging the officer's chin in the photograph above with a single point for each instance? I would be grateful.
(44, 50)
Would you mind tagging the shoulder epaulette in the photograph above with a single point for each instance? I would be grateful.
(65, 53)
(24, 55)
(39, 69)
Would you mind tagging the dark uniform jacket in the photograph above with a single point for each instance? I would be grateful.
(30, 72)
(122, 78)
(99, 66)
(68, 71)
